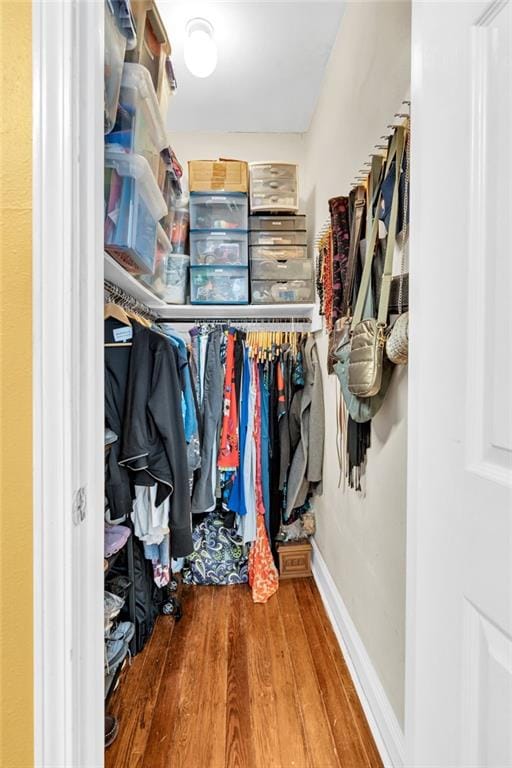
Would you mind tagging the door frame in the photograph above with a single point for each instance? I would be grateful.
(67, 48)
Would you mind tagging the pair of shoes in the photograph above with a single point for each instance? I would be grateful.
(117, 644)
(125, 630)
(111, 730)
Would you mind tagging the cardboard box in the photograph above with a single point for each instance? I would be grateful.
(294, 559)
(218, 176)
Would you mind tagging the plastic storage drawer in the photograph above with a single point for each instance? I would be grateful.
(277, 223)
(282, 292)
(139, 126)
(278, 238)
(115, 47)
(133, 207)
(214, 211)
(281, 269)
(152, 47)
(271, 171)
(275, 252)
(218, 248)
(274, 196)
(219, 285)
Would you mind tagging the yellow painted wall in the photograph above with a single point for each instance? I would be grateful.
(16, 625)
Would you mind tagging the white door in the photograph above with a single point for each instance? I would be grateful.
(68, 383)
(459, 658)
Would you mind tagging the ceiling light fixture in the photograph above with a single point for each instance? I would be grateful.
(200, 49)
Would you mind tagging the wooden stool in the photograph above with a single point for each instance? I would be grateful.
(294, 559)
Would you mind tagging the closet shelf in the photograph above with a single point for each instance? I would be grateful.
(115, 273)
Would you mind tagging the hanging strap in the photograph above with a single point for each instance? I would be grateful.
(395, 152)
(374, 182)
(355, 238)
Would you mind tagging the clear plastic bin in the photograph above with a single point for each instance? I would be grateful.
(115, 47)
(282, 292)
(218, 211)
(133, 207)
(170, 278)
(179, 228)
(278, 238)
(218, 248)
(219, 285)
(139, 126)
(281, 269)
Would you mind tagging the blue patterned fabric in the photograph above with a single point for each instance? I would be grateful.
(219, 556)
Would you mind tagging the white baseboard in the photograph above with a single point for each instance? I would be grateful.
(382, 720)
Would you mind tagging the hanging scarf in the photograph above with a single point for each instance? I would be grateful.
(228, 455)
(263, 576)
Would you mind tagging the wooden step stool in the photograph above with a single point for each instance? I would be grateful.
(294, 559)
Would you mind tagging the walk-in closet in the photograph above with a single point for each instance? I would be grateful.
(256, 213)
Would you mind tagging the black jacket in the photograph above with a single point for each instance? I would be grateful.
(153, 444)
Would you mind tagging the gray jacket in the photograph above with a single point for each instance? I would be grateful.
(306, 468)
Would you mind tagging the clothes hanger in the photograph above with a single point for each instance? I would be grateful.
(116, 312)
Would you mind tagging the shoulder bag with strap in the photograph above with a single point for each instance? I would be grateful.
(366, 370)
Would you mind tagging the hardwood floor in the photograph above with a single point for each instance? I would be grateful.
(238, 685)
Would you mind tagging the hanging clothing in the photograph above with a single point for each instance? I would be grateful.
(306, 468)
(153, 439)
(203, 498)
(263, 575)
(228, 454)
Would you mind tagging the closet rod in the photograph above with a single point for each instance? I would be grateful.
(118, 296)
(235, 320)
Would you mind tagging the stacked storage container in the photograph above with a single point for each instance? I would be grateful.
(219, 256)
(141, 184)
(281, 271)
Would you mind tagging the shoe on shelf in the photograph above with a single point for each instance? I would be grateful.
(115, 653)
(116, 537)
(118, 585)
(125, 630)
(111, 730)
(112, 605)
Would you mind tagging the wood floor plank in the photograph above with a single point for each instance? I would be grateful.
(344, 728)
(239, 746)
(160, 744)
(263, 712)
(320, 740)
(319, 614)
(290, 725)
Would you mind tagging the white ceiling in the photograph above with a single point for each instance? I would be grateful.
(271, 60)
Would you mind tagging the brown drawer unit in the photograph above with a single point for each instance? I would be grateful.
(294, 559)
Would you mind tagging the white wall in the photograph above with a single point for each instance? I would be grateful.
(362, 537)
(198, 145)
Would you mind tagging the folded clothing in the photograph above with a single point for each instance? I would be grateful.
(116, 537)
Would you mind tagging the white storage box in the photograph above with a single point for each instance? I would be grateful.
(273, 187)
(218, 248)
(282, 292)
(139, 125)
(133, 207)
